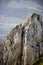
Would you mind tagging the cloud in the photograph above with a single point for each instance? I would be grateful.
(29, 4)
(14, 4)
(9, 21)
(1, 35)
(19, 8)
(25, 4)
(4, 2)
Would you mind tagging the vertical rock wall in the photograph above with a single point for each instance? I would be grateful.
(24, 44)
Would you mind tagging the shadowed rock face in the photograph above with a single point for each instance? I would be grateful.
(24, 44)
(1, 54)
(13, 47)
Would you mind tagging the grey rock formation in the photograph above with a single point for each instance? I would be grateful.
(1, 54)
(33, 40)
(12, 47)
(24, 44)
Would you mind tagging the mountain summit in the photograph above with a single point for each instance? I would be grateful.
(24, 43)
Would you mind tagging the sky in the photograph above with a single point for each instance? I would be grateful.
(13, 12)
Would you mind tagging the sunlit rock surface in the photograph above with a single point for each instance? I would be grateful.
(24, 44)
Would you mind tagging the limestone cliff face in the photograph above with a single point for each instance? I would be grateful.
(24, 43)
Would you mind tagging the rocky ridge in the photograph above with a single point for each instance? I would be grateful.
(24, 44)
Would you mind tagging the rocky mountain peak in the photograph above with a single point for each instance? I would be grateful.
(24, 44)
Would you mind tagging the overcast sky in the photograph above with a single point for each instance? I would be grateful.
(13, 12)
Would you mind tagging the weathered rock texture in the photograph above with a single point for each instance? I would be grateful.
(1, 54)
(24, 44)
